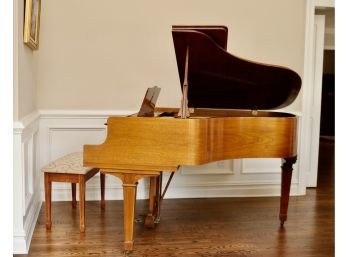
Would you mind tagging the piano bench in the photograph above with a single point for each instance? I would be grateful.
(69, 168)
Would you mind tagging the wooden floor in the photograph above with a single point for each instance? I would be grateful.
(202, 227)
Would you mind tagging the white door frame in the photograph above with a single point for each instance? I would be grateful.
(319, 34)
(308, 148)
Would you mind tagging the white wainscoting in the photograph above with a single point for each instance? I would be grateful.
(46, 135)
(26, 179)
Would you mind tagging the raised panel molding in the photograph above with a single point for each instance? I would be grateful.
(64, 139)
(219, 167)
(26, 197)
(261, 166)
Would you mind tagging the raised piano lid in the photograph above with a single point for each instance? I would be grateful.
(220, 80)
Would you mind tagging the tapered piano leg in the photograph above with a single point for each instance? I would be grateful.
(129, 199)
(130, 181)
(287, 167)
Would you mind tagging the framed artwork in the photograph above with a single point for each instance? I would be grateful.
(32, 23)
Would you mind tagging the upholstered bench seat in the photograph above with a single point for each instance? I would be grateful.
(70, 163)
(69, 168)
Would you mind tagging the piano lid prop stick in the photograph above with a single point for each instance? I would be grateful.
(184, 110)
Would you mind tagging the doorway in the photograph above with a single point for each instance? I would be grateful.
(322, 104)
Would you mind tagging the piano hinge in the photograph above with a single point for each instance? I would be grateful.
(254, 112)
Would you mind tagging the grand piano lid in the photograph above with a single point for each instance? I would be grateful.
(220, 80)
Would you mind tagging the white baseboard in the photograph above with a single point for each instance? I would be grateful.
(198, 191)
(22, 238)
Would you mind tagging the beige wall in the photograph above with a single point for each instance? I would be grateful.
(104, 54)
(25, 66)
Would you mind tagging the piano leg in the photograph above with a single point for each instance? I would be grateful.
(102, 190)
(150, 218)
(130, 181)
(129, 199)
(287, 167)
(158, 197)
(155, 199)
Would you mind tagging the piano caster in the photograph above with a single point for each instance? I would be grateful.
(127, 253)
(150, 221)
(128, 247)
(282, 218)
(140, 219)
(282, 223)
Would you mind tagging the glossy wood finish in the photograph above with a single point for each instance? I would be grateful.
(136, 143)
(73, 179)
(218, 79)
(224, 227)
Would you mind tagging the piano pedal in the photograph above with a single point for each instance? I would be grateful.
(157, 220)
(140, 219)
(127, 253)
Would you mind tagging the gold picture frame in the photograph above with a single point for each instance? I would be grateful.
(32, 23)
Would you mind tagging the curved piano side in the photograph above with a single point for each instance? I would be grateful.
(166, 143)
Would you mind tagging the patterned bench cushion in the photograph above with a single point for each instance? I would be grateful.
(69, 164)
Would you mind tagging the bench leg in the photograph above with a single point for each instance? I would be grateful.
(73, 194)
(82, 185)
(48, 189)
(102, 190)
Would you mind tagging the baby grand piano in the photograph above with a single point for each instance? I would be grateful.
(220, 118)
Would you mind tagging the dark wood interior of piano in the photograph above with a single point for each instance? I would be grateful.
(220, 80)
